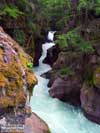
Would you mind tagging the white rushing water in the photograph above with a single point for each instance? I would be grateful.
(60, 117)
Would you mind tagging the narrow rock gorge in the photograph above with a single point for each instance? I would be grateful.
(50, 66)
(74, 78)
(17, 81)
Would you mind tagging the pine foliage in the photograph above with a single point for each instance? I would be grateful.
(73, 38)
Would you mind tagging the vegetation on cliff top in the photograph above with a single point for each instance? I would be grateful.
(28, 19)
(73, 38)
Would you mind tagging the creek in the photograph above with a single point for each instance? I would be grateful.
(60, 117)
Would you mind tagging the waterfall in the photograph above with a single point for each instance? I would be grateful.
(51, 35)
(60, 117)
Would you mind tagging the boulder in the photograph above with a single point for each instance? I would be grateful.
(90, 103)
(67, 89)
(35, 124)
(66, 77)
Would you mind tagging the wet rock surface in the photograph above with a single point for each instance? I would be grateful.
(37, 52)
(52, 55)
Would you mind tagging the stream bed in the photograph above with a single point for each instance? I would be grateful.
(60, 117)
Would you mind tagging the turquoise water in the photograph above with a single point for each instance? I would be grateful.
(60, 117)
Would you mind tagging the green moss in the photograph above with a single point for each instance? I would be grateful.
(12, 11)
(96, 77)
(19, 36)
(65, 71)
(88, 75)
(61, 41)
(48, 131)
(30, 65)
(6, 102)
(73, 38)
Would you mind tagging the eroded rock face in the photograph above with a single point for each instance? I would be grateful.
(66, 83)
(69, 72)
(90, 98)
(36, 125)
(38, 51)
(90, 103)
(67, 89)
(69, 59)
(96, 78)
(15, 75)
(52, 55)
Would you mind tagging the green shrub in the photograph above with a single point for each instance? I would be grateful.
(89, 5)
(97, 7)
(12, 11)
(55, 10)
(61, 41)
(88, 74)
(19, 36)
(73, 38)
(30, 65)
(65, 71)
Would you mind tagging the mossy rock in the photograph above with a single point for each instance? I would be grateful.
(65, 71)
(14, 74)
(96, 77)
(6, 102)
(2, 80)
